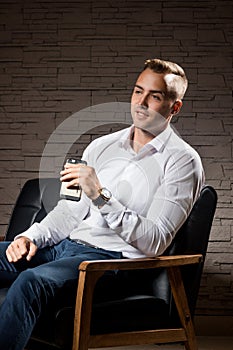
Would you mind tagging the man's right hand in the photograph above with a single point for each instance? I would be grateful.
(22, 247)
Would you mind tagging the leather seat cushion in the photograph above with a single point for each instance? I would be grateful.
(135, 313)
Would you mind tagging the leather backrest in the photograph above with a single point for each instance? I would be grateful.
(35, 200)
(192, 238)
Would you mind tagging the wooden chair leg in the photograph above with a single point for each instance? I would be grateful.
(181, 302)
(83, 309)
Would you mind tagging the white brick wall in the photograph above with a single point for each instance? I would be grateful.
(58, 57)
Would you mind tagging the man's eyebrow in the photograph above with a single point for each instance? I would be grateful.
(153, 91)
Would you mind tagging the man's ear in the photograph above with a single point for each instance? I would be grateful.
(176, 106)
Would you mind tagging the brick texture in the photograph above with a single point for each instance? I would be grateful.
(58, 57)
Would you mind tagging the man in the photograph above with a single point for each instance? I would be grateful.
(139, 186)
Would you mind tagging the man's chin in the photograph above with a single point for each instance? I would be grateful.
(152, 130)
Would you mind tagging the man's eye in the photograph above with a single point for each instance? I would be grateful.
(137, 92)
(156, 97)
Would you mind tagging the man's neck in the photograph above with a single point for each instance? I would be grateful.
(140, 138)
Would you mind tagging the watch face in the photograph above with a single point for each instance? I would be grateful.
(105, 193)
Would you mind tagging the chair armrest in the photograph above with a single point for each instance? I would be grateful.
(144, 263)
(91, 271)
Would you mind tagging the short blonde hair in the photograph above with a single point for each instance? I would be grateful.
(177, 82)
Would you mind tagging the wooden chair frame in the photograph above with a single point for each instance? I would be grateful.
(91, 271)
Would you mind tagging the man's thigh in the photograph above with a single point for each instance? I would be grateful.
(67, 257)
(56, 266)
(60, 277)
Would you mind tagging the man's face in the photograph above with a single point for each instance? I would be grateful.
(151, 108)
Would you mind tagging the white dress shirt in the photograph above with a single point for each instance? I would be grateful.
(153, 192)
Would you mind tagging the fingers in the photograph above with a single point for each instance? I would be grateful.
(20, 248)
(74, 173)
(83, 175)
(73, 167)
(12, 256)
(71, 172)
(69, 176)
(32, 251)
(16, 250)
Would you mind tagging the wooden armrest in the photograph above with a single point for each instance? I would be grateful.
(144, 263)
(91, 271)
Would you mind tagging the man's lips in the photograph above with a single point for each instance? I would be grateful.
(141, 113)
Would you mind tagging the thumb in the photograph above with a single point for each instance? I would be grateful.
(32, 251)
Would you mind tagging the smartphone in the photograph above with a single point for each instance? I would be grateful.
(74, 192)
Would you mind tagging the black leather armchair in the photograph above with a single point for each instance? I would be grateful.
(122, 302)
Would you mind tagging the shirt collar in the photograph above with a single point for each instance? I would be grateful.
(159, 141)
(156, 144)
(126, 137)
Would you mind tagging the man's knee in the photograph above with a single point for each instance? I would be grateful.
(29, 284)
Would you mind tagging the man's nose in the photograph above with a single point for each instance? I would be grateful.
(143, 101)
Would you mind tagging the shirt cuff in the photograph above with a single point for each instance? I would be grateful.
(34, 234)
(112, 206)
(113, 212)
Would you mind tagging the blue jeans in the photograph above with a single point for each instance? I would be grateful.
(34, 284)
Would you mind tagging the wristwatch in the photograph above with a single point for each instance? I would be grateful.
(104, 196)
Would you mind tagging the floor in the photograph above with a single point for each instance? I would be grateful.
(204, 343)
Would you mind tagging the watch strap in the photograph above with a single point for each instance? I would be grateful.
(99, 201)
(104, 197)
